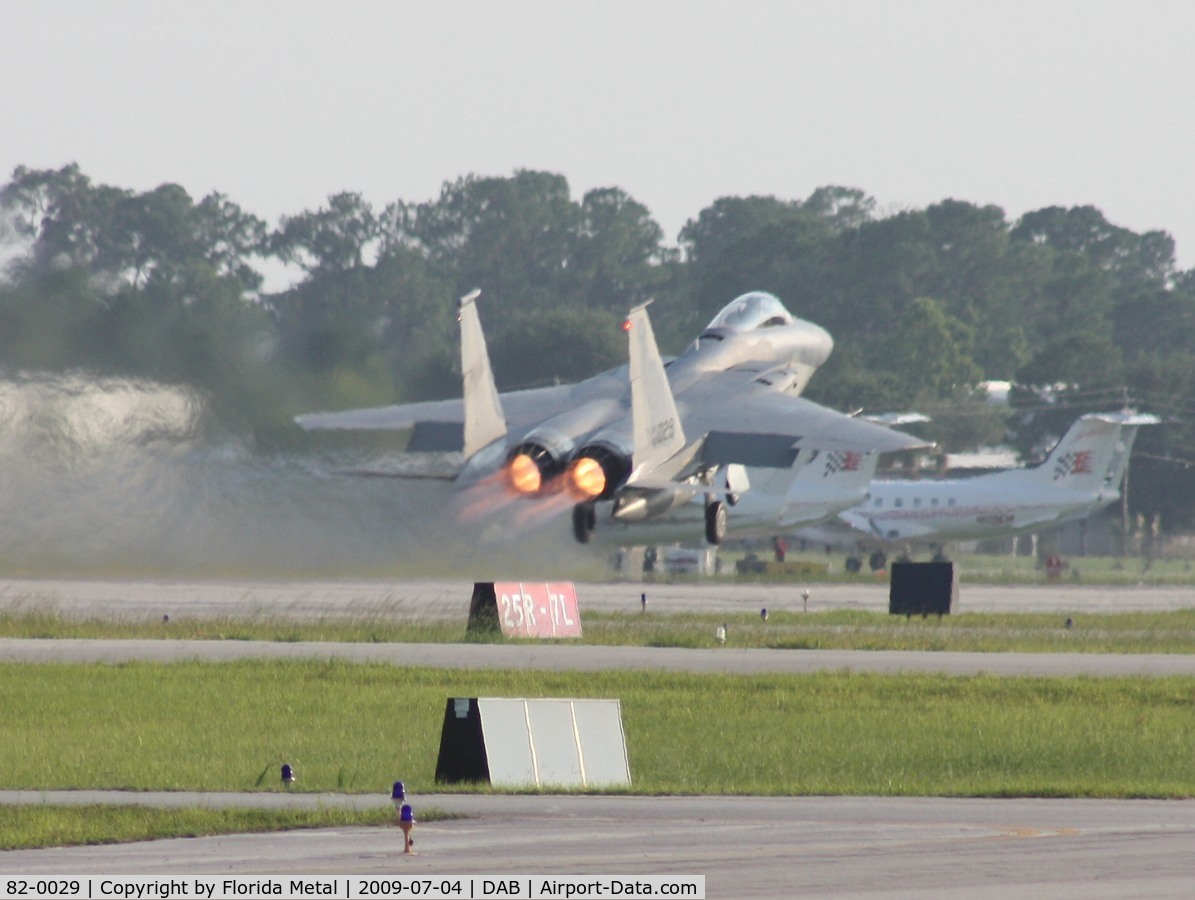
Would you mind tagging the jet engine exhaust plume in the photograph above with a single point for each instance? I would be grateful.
(534, 516)
(587, 478)
(504, 518)
(487, 499)
(524, 475)
(597, 471)
(532, 469)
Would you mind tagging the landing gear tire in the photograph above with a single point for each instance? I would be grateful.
(854, 564)
(877, 561)
(715, 522)
(584, 521)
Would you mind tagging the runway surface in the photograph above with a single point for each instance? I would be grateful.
(557, 657)
(841, 847)
(447, 599)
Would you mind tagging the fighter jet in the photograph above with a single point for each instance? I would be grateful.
(643, 438)
(1081, 474)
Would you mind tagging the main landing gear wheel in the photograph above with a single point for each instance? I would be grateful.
(715, 522)
(584, 521)
(877, 560)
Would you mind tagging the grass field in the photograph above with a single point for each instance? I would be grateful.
(1149, 632)
(51, 826)
(357, 728)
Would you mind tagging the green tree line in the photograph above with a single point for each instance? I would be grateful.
(923, 304)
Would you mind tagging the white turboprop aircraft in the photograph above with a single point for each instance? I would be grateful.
(645, 437)
(1082, 473)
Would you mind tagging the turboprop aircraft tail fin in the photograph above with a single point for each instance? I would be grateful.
(1091, 455)
(1129, 423)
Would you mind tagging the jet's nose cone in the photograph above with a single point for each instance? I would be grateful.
(816, 341)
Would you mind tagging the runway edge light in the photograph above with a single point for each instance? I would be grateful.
(406, 821)
(398, 795)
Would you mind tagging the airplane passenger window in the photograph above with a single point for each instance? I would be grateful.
(899, 502)
(879, 502)
(933, 502)
(917, 501)
(950, 502)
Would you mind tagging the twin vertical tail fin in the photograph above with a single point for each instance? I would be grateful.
(655, 424)
(484, 419)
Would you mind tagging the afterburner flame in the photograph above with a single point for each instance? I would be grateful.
(588, 477)
(524, 474)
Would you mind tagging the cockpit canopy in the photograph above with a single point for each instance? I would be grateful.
(758, 309)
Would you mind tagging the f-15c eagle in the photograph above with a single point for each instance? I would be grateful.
(647, 437)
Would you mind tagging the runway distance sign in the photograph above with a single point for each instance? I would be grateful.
(537, 609)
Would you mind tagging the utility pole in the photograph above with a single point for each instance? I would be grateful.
(1124, 490)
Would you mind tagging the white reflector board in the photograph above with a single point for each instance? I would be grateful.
(507, 738)
(554, 743)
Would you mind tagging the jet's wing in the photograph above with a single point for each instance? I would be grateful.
(765, 428)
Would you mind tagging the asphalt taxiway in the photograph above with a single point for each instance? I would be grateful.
(746, 847)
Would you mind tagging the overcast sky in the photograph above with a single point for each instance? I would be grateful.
(279, 104)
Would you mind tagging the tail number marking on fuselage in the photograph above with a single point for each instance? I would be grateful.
(662, 432)
(998, 519)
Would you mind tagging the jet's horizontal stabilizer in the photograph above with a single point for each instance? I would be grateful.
(433, 466)
(1125, 418)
